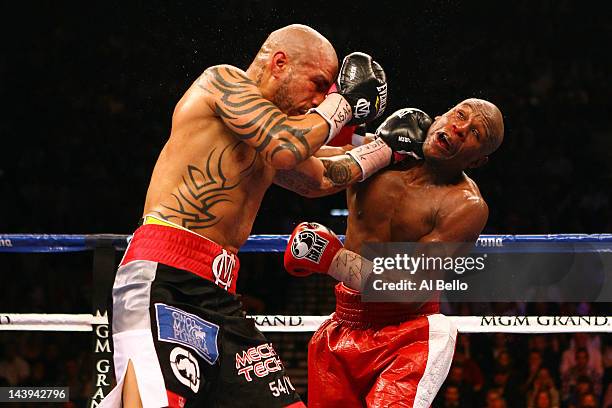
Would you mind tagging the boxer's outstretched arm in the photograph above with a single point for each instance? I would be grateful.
(320, 176)
(282, 141)
(350, 268)
(330, 151)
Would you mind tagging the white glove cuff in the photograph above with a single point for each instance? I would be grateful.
(336, 111)
(371, 157)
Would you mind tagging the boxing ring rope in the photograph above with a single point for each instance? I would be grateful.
(255, 243)
(300, 324)
(45, 243)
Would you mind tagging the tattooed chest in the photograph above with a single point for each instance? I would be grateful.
(216, 188)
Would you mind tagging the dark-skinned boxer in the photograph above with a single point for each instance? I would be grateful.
(396, 354)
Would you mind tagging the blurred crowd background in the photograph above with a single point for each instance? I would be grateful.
(88, 92)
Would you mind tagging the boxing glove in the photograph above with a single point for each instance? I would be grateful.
(361, 94)
(404, 131)
(311, 249)
(363, 83)
(400, 135)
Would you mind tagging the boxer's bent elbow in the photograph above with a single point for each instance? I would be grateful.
(283, 157)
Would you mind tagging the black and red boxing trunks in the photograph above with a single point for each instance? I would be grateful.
(379, 355)
(177, 318)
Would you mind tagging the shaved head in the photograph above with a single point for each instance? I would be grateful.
(299, 41)
(493, 121)
(302, 45)
(465, 135)
(294, 68)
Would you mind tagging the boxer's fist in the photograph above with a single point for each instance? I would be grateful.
(358, 96)
(363, 83)
(404, 132)
(311, 249)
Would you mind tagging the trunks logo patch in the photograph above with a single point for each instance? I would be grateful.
(185, 368)
(177, 326)
(257, 362)
(309, 245)
(222, 268)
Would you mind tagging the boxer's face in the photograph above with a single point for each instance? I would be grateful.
(460, 136)
(303, 87)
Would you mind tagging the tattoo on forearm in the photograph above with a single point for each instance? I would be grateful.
(252, 117)
(296, 181)
(201, 190)
(337, 175)
(338, 171)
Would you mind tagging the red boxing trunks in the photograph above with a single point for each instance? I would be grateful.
(375, 355)
(176, 318)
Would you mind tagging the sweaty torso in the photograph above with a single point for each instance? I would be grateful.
(205, 179)
(398, 205)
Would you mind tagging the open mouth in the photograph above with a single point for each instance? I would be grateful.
(444, 142)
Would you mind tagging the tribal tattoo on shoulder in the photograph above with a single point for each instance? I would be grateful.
(203, 189)
(254, 119)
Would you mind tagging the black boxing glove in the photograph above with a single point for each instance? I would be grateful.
(363, 83)
(404, 131)
(361, 94)
(402, 134)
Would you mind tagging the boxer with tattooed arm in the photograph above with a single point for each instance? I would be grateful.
(174, 303)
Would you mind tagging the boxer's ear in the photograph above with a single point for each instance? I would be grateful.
(279, 63)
